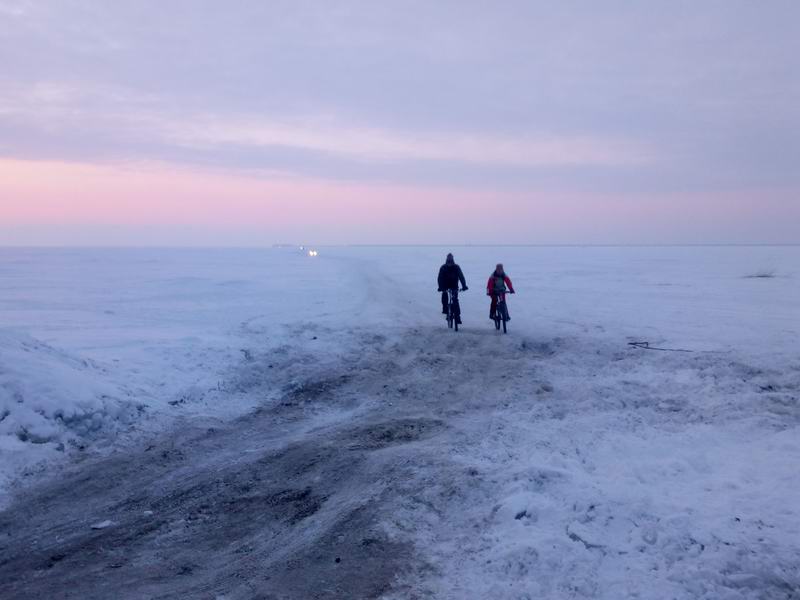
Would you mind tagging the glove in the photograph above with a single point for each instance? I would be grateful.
(464, 289)
(511, 292)
(440, 290)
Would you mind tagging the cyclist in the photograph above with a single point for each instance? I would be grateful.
(498, 283)
(449, 276)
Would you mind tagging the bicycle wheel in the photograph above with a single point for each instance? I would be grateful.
(504, 314)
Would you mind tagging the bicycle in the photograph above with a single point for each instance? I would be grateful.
(453, 309)
(501, 311)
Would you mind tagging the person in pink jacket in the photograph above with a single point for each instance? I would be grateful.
(498, 284)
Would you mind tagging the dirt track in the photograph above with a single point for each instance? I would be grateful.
(287, 502)
(413, 464)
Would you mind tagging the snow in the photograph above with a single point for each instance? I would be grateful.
(555, 461)
(46, 391)
(94, 343)
(102, 524)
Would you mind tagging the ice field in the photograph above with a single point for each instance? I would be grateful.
(262, 423)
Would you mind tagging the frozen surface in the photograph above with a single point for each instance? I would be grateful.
(555, 461)
(93, 342)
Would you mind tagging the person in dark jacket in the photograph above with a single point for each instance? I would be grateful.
(449, 277)
(498, 283)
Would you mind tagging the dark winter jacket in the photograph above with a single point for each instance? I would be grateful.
(449, 276)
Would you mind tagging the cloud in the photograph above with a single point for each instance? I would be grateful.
(375, 144)
(116, 112)
(559, 99)
(14, 8)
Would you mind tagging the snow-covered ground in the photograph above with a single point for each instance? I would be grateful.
(556, 461)
(94, 343)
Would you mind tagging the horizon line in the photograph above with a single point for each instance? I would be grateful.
(279, 246)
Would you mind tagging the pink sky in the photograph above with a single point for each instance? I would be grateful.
(369, 122)
(156, 204)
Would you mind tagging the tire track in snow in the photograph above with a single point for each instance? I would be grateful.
(409, 462)
(275, 484)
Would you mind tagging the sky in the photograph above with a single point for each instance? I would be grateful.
(248, 123)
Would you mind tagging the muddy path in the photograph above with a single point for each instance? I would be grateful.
(420, 463)
(290, 501)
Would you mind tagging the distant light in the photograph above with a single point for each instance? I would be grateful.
(312, 253)
(302, 247)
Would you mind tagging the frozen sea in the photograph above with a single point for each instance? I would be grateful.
(261, 423)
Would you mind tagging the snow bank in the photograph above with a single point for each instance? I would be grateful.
(48, 396)
(51, 401)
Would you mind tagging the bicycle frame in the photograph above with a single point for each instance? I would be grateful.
(453, 308)
(501, 310)
(452, 301)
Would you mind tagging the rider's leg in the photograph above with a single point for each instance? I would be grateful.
(456, 307)
(444, 302)
(493, 307)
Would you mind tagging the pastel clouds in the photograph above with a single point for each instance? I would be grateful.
(360, 121)
(54, 107)
(372, 144)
